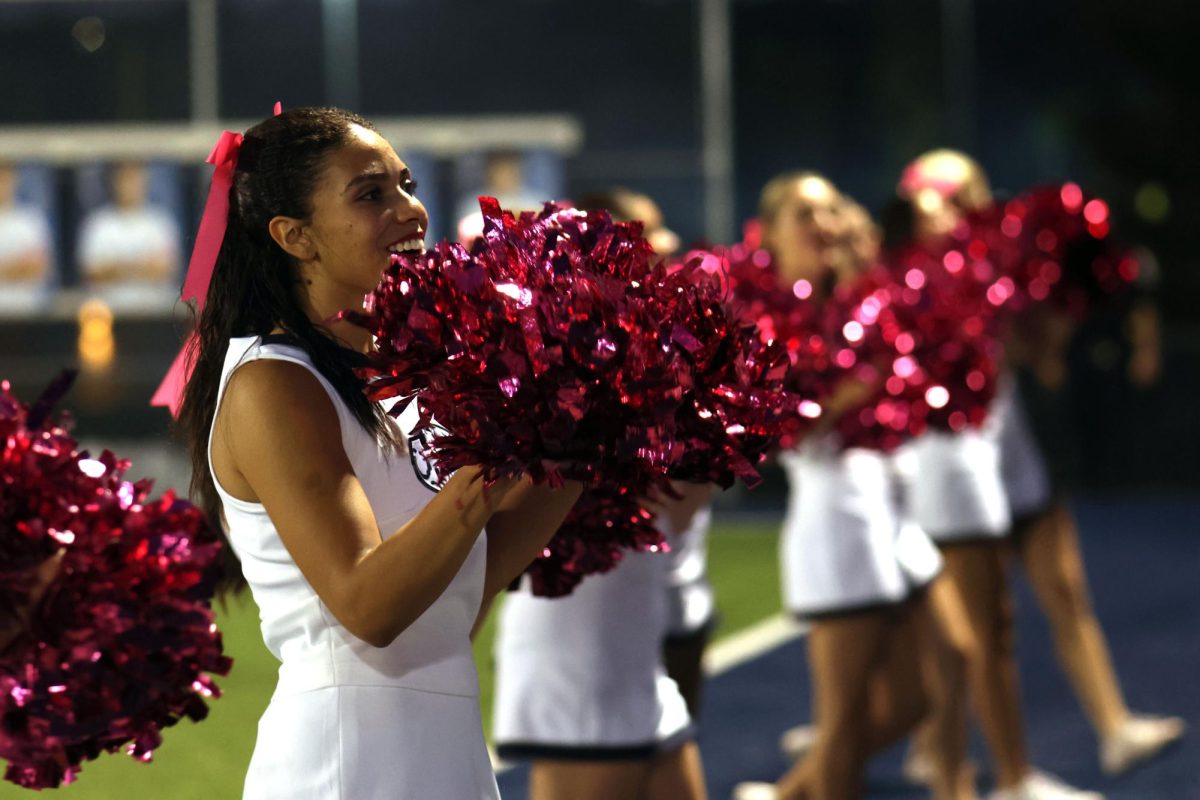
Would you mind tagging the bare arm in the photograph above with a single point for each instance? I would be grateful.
(151, 268)
(28, 267)
(1144, 330)
(283, 441)
(527, 519)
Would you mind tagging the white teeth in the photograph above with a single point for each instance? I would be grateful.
(409, 245)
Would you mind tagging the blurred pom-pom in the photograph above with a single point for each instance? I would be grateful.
(1054, 245)
(122, 641)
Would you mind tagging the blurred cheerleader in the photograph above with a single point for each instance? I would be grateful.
(863, 577)
(581, 687)
(691, 605)
(941, 186)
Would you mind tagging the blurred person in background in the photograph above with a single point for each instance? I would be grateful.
(865, 579)
(503, 179)
(129, 249)
(691, 605)
(941, 187)
(26, 270)
(581, 687)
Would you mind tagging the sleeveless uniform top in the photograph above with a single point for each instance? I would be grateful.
(350, 721)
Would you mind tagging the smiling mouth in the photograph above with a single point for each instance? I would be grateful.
(414, 245)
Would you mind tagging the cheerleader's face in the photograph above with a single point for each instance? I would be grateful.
(364, 210)
(805, 229)
(936, 215)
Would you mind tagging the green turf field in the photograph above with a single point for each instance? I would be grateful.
(207, 761)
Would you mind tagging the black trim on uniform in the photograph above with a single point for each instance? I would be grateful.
(972, 538)
(701, 632)
(523, 751)
(537, 751)
(895, 606)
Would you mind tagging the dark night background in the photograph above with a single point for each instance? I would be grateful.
(1100, 91)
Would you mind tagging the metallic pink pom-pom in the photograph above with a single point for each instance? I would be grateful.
(560, 347)
(122, 641)
(1054, 244)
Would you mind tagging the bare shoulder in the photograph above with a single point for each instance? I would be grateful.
(275, 409)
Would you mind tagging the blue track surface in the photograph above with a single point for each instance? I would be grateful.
(1143, 562)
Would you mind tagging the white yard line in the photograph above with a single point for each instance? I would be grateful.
(750, 643)
(731, 651)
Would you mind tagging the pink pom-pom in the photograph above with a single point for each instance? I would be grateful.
(1054, 244)
(123, 638)
(560, 347)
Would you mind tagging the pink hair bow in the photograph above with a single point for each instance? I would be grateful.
(914, 180)
(224, 157)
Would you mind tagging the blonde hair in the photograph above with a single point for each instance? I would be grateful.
(775, 194)
(951, 173)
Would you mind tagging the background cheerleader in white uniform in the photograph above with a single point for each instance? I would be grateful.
(851, 564)
(368, 578)
(581, 688)
(942, 185)
(1046, 543)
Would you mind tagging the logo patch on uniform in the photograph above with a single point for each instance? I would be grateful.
(418, 447)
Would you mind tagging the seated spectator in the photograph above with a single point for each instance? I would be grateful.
(25, 250)
(129, 250)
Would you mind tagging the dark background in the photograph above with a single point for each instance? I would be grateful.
(1098, 91)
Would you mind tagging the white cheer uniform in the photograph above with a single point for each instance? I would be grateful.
(845, 545)
(581, 677)
(349, 721)
(953, 485)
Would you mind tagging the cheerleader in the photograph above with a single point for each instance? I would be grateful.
(852, 566)
(582, 691)
(941, 186)
(368, 571)
(691, 604)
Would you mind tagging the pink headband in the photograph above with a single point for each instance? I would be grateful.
(915, 179)
(224, 158)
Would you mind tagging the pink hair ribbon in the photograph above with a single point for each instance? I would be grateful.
(915, 179)
(224, 157)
